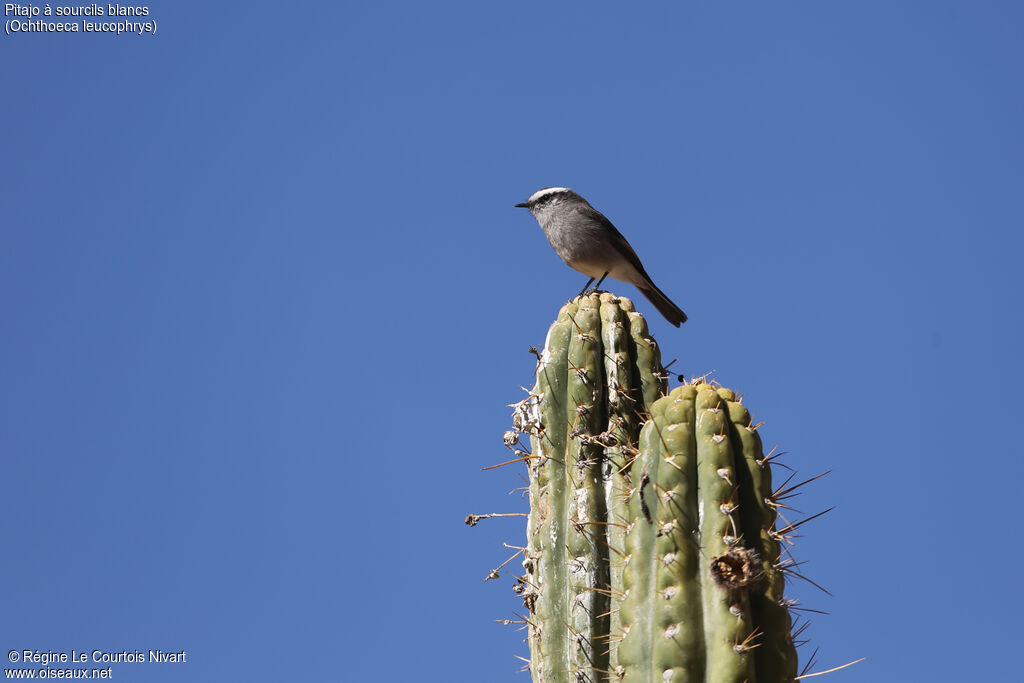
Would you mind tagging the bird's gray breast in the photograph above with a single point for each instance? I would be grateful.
(576, 238)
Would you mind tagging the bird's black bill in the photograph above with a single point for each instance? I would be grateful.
(524, 205)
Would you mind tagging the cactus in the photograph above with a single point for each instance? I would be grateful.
(703, 595)
(651, 548)
(596, 378)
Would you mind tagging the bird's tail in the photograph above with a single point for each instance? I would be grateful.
(672, 313)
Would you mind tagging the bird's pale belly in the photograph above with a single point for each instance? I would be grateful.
(621, 271)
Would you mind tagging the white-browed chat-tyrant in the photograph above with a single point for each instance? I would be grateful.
(589, 243)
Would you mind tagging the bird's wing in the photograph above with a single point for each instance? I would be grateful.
(617, 239)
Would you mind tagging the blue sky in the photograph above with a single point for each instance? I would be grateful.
(265, 298)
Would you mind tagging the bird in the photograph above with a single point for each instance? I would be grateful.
(590, 244)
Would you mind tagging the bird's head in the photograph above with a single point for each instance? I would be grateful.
(547, 198)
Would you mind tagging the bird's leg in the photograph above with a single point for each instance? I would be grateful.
(585, 287)
(598, 285)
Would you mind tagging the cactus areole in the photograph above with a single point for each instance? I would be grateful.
(652, 554)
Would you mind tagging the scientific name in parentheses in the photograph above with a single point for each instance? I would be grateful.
(92, 10)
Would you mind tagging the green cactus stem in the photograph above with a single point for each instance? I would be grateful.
(703, 598)
(597, 376)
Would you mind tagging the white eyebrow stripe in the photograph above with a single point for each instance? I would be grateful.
(546, 191)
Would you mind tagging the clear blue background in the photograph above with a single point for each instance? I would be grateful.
(264, 298)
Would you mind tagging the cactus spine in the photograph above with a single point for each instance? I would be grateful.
(651, 553)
